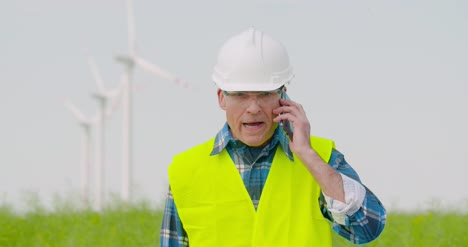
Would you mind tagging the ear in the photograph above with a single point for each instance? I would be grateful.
(221, 99)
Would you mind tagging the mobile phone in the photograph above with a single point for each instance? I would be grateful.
(285, 124)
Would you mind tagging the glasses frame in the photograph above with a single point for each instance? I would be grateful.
(238, 93)
(263, 97)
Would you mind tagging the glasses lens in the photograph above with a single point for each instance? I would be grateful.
(263, 97)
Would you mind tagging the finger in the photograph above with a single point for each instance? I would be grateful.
(282, 109)
(286, 109)
(292, 104)
(286, 102)
(289, 103)
(286, 116)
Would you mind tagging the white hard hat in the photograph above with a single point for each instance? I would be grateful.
(252, 61)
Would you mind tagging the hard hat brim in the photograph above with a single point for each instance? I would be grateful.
(249, 87)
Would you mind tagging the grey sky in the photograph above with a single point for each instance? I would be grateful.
(387, 80)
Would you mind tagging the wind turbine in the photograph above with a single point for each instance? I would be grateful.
(130, 61)
(102, 96)
(85, 159)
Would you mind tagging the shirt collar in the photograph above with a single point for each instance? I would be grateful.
(224, 137)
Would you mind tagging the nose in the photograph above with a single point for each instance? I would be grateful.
(253, 105)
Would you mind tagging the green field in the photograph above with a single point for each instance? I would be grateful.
(138, 225)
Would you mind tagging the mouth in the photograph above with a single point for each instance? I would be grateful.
(253, 125)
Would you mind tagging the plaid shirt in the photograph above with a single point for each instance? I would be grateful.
(254, 165)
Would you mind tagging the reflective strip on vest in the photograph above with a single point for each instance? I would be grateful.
(216, 209)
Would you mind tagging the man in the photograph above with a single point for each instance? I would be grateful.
(254, 184)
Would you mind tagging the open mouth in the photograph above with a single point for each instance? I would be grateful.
(253, 124)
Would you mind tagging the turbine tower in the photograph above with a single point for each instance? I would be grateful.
(85, 158)
(102, 96)
(129, 61)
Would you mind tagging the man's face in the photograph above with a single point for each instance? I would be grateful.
(250, 115)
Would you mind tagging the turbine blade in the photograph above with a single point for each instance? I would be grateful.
(158, 71)
(154, 69)
(96, 75)
(75, 111)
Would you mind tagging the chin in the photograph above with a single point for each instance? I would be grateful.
(254, 142)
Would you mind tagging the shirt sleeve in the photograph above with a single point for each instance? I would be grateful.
(172, 233)
(354, 194)
(362, 217)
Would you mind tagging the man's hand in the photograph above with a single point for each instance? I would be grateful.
(294, 113)
(329, 180)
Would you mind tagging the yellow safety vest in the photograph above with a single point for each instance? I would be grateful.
(216, 209)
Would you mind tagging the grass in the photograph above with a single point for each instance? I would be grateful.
(138, 225)
(433, 228)
(135, 225)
